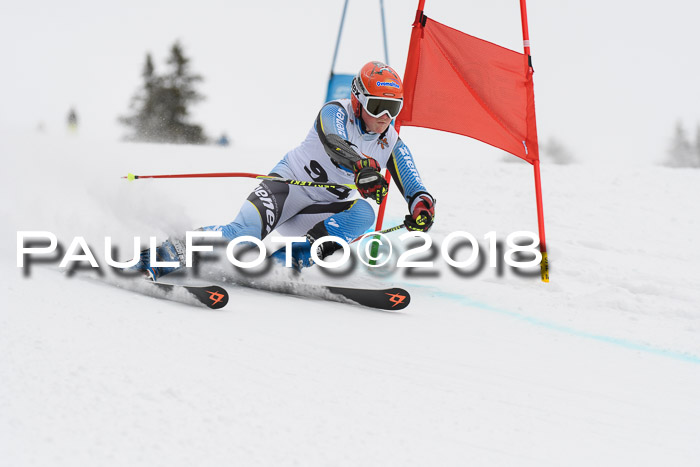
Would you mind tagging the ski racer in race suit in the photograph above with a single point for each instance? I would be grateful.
(350, 142)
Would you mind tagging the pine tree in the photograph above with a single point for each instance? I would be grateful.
(179, 92)
(697, 146)
(680, 153)
(558, 153)
(161, 106)
(144, 120)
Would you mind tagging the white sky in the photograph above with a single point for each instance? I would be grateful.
(611, 78)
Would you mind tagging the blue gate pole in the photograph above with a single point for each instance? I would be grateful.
(386, 49)
(340, 33)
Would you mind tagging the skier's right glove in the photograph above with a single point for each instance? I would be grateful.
(370, 183)
(422, 213)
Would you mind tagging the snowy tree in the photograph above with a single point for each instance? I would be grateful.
(697, 146)
(145, 121)
(552, 151)
(557, 152)
(161, 107)
(681, 153)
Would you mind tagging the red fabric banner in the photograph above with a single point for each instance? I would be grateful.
(461, 84)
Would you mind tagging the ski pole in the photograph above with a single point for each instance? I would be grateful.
(270, 178)
(381, 232)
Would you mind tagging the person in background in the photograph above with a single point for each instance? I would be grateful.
(72, 120)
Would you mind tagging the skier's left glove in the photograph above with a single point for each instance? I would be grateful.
(422, 210)
(370, 183)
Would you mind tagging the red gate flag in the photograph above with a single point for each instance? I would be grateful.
(462, 84)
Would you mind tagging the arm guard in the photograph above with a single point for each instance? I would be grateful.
(331, 126)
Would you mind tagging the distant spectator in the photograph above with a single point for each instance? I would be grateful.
(223, 140)
(72, 120)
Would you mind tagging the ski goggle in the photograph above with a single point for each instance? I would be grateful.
(378, 106)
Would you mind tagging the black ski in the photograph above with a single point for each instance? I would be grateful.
(384, 299)
(381, 299)
(211, 296)
(216, 297)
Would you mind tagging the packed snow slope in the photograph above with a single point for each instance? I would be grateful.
(601, 366)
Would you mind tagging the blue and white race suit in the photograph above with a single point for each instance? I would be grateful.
(335, 141)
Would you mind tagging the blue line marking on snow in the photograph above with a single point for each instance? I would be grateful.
(631, 345)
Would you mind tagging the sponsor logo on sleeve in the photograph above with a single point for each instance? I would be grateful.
(408, 161)
(340, 123)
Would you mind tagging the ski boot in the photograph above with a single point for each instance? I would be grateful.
(170, 250)
(301, 253)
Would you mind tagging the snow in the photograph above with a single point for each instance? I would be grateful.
(598, 367)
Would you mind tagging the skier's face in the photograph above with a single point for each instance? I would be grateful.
(374, 124)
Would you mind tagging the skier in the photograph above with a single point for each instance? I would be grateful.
(350, 141)
(72, 120)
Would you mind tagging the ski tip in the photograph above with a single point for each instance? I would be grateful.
(397, 298)
(392, 299)
(211, 296)
(216, 297)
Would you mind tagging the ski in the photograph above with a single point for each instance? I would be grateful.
(211, 296)
(392, 299)
(384, 299)
(216, 297)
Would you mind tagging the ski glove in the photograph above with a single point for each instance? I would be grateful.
(370, 183)
(422, 213)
